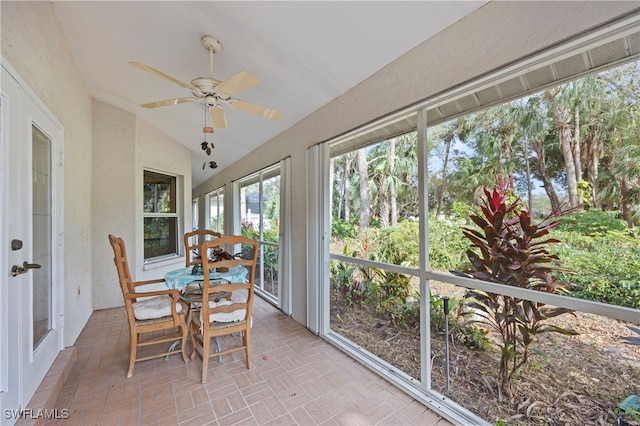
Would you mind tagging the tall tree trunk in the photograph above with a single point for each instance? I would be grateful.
(347, 194)
(443, 175)
(528, 171)
(561, 117)
(577, 156)
(363, 175)
(595, 148)
(393, 190)
(541, 165)
(505, 156)
(383, 207)
(332, 170)
(626, 206)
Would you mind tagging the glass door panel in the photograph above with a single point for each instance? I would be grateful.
(260, 217)
(42, 278)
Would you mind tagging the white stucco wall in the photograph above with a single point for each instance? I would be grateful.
(495, 35)
(35, 46)
(124, 147)
(114, 132)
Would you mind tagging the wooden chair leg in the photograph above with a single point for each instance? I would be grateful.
(133, 351)
(194, 341)
(205, 357)
(185, 333)
(247, 347)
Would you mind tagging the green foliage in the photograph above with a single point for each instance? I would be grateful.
(446, 245)
(388, 291)
(605, 266)
(343, 280)
(409, 312)
(343, 229)
(472, 336)
(401, 242)
(513, 251)
(461, 210)
(592, 222)
(436, 305)
(248, 229)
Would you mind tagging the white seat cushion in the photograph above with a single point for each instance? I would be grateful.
(234, 316)
(154, 307)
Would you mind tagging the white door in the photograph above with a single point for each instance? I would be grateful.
(31, 244)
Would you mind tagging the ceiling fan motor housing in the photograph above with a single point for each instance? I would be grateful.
(211, 43)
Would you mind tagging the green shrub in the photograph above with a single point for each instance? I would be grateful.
(401, 242)
(446, 244)
(436, 305)
(604, 267)
(342, 229)
(592, 222)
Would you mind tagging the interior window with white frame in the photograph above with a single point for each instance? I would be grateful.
(160, 215)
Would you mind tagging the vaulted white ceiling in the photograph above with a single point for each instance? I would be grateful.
(304, 53)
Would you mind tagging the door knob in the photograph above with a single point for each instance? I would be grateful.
(17, 270)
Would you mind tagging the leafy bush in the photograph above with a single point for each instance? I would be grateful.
(605, 267)
(513, 251)
(343, 279)
(446, 245)
(401, 242)
(343, 229)
(436, 305)
(592, 222)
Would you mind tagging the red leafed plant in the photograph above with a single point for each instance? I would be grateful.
(512, 251)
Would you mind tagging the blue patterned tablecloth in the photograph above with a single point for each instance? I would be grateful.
(179, 278)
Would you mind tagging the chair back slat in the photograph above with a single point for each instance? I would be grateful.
(232, 288)
(192, 242)
(122, 265)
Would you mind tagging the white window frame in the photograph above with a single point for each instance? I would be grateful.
(175, 214)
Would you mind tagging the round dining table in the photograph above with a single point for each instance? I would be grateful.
(179, 278)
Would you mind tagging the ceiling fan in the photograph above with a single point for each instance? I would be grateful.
(213, 93)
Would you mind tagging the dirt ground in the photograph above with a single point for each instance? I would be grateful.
(571, 380)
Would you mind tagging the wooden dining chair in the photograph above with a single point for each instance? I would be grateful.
(149, 312)
(222, 317)
(192, 242)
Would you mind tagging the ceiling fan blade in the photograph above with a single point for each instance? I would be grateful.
(159, 73)
(175, 101)
(236, 83)
(218, 117)
(269, 113)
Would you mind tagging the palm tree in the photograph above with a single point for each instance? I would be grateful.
(363, 177)
(531, 117)
(559, 99)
